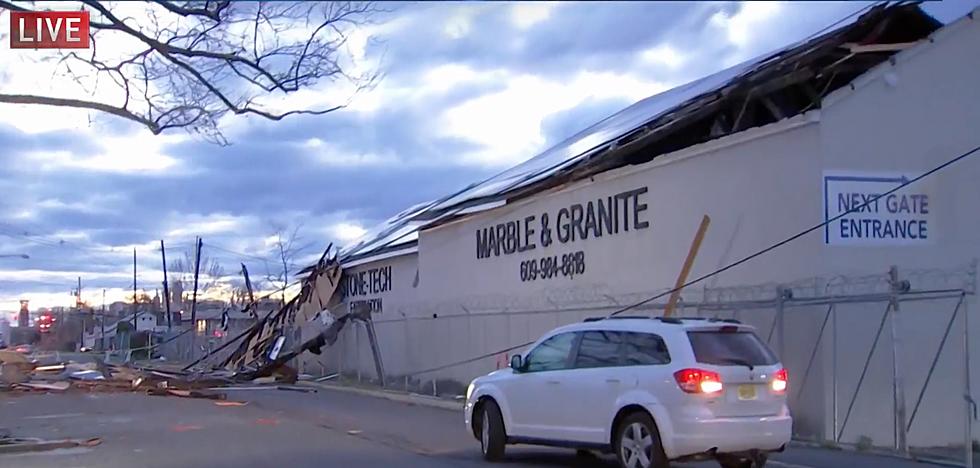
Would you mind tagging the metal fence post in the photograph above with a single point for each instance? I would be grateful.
(833, 375)
(781, 322)
(971, 406)
(898, 287)
(342, 353)
(357, 349)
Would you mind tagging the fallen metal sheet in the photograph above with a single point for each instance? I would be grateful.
(21, 445)
(86, 375)
(59, 386)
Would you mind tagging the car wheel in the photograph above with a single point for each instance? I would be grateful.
(638, 443)
(492, 435)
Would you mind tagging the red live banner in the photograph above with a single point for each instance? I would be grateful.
(49, 30)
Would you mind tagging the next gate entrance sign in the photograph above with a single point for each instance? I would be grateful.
(902, 218)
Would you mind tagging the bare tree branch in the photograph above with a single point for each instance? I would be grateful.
(50, 101)
(192, 62)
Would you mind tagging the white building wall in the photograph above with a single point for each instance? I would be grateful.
(909, 118)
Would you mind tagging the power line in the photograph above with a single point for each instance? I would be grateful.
(241, 254)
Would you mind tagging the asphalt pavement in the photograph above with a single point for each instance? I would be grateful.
(276, 428)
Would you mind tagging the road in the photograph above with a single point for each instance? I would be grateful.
(329, 428)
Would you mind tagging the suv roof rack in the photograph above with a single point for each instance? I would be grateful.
(675, 321)
(725, 320)
(615, 317)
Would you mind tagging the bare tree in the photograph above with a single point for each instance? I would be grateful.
(181, 273)
(187, 64)
(288, 247)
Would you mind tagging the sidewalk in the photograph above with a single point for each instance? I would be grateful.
(393, 395)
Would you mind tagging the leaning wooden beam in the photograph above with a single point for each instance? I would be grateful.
(688, 263)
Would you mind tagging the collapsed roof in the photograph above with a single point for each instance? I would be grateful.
(757, 92)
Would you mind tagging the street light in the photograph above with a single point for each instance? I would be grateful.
(24, 256)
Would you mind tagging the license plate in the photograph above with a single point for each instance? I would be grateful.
(746, 392)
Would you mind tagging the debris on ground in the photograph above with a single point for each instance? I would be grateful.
(21, 445)
(231, 403)
(259, 361)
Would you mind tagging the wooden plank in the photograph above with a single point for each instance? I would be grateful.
(688, 263)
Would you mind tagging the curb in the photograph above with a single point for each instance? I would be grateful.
(401, 397)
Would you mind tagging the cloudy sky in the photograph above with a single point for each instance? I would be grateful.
(469, 89)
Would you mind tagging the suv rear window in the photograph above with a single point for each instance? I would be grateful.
(725, 348)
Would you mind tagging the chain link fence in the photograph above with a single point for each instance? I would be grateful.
(877, 362)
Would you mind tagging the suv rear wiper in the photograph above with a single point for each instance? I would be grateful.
(738, 361)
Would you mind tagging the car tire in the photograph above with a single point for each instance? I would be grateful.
(493, 438)
(637, 443)
(758, 461)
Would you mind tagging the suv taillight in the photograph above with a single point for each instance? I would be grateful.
(780, 380)
(698, 381)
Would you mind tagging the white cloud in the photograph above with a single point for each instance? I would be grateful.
(197, 225)
(523, 15)
(663, 55)
(346, 232)
(508, 123)
(330, 155)
(458, 25)
(742, 25)
(140, 152)
(442, 78)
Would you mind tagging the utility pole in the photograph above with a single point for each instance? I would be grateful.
(251, 297)
(102, 321)
(197, 270)
(78, 313)
(898, 287)
(166, 289)
(134, 291)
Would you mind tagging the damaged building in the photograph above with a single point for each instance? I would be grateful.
(770, 150)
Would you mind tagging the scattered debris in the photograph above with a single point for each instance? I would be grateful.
(185, 428)
(57, 386)
(86, 375)
(293, 388)
(20, 445)
(326, 378)
(231, 403)
(259, 359)
(56, 367)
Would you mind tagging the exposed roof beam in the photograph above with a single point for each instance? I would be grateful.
(776, 112)
(871, 48)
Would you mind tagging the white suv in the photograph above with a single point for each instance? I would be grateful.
(648, 390)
